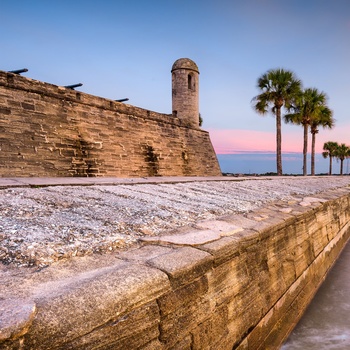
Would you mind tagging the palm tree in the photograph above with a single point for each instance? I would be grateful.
(308, 106)
(325, 120)
(330, 148)
(279, 88)
(342, 152)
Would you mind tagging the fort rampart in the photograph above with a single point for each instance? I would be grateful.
(48, 130)
(241, 283)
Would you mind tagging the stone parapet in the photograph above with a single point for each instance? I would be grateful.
(239, 282)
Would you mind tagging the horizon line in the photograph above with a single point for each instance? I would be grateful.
(261, 152)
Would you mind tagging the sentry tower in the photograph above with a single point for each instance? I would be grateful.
(185, 86)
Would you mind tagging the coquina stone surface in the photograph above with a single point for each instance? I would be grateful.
(243, 285)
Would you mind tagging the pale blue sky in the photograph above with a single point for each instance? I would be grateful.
(123, 49)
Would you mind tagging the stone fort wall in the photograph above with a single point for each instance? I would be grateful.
(48, 130)
(245, 290)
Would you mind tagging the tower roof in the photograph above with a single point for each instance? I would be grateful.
(184, 63)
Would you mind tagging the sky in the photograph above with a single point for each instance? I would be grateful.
(125, 49)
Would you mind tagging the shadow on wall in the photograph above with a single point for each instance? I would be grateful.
(152, 160)
(83, 164)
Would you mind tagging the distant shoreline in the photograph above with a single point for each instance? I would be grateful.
(263, 163)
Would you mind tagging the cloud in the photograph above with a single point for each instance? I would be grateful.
(226, 141)
(238, 141)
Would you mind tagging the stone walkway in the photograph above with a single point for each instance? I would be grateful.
(43, 220)
(90, 181)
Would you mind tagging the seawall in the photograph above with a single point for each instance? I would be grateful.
(238, 282)
(49, 130)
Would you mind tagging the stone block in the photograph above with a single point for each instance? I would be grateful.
(211, 333)
(187, 294)
(16, 317)
(228, 280)
(177, 325)
(133, 330)
(145, 253)
(183, 265)
(223, 227)
(191, 238)
(236, 333)
(223, 249)
(74, 307)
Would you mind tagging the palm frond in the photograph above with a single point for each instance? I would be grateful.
(279, 87)
(325, 154)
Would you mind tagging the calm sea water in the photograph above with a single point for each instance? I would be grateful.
(261, 163)
(325, 324)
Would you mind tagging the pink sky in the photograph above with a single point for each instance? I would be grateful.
(237, 141)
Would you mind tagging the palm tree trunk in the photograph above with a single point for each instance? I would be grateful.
(341, 166)
(313, 143)
(278, 142)
(305, 150)
(330, 165)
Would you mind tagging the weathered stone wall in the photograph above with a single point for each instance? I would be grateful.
(47, 130)
(244, 289)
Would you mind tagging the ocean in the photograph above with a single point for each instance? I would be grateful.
(262, 163)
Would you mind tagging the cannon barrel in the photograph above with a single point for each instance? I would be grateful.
(122, 100)
(73, 86)
(19, 71)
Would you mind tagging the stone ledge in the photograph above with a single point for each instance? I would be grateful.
(74, 305)
(16, 318)
(91, 301)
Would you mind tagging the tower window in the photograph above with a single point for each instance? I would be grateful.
(189, 81)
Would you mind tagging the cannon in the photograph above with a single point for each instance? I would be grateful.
(19, 71)
(73, 86)
(122, 100)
